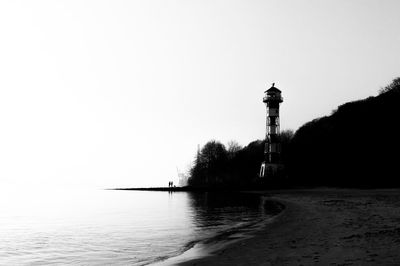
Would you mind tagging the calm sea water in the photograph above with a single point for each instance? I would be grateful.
(103, 227)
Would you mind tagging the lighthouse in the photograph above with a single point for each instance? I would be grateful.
(272, 166)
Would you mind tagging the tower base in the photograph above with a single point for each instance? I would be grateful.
(271, 170)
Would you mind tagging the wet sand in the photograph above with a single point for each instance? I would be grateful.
(322, 227)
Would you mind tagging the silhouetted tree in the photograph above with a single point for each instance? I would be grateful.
(285, 139)
(209, 168)
(235, 166)
(394, 86)
(247, 162)
(233, 148)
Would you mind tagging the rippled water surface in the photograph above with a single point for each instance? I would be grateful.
(97, 227)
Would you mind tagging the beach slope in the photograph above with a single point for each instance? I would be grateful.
(322, 227)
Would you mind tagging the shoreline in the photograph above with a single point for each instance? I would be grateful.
(211, 253)
(183, 189)
(321, 227)
(207, 247)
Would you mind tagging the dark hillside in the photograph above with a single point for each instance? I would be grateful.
(356, 146)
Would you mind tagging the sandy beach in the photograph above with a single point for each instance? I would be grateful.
(322, 227)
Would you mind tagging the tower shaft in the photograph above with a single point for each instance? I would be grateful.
(272, 161)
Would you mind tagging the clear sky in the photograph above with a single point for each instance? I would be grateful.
(119, 93)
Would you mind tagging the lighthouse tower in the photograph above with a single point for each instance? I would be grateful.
(272, 167)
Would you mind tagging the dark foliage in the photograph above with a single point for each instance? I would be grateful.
(216, 166)
(356, 146)
(210, 165)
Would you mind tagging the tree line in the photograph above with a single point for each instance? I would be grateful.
(355, 146)
(217, 165)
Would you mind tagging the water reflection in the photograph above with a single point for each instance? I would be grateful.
(212, 209)
(219, 219)
(114, 227)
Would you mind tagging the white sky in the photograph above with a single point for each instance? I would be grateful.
(119, 93)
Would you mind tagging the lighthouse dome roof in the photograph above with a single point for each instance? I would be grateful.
(273, 89)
